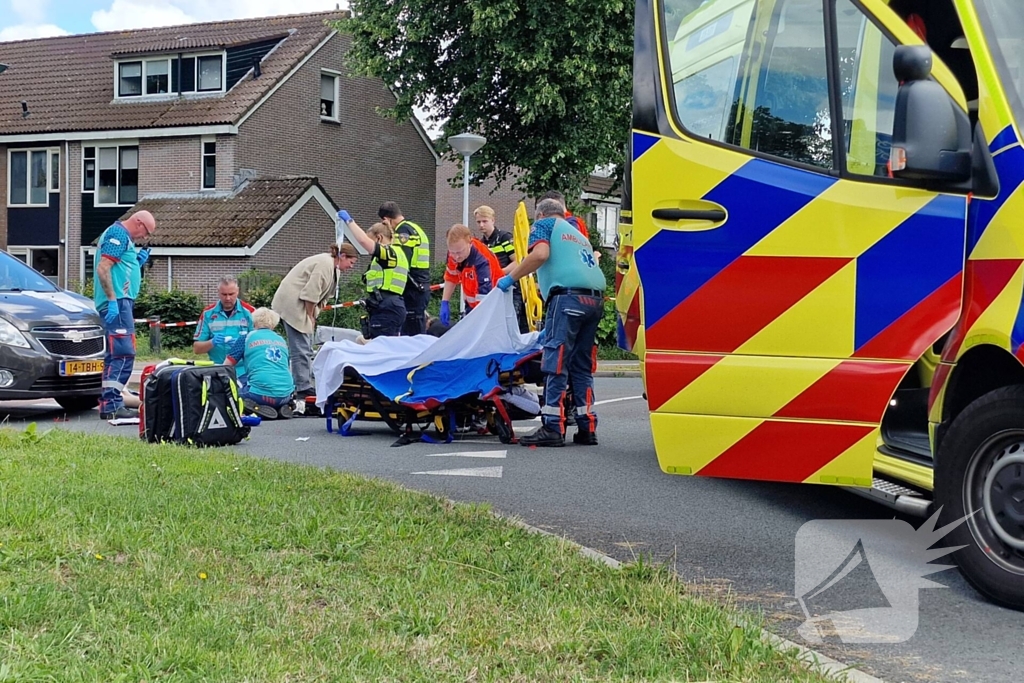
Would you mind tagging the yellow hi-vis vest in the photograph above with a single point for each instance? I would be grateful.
(420, 245)
(389, 273)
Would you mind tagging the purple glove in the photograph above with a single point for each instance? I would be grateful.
(446, 312)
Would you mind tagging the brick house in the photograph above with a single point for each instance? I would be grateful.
(599, 196)
(92, 124)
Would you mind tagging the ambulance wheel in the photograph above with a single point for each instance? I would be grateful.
(980, 475)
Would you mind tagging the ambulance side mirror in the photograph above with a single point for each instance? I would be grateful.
(931, 135)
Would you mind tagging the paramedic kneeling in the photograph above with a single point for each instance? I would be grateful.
(573, 289)
(385, 278)
(268, 388)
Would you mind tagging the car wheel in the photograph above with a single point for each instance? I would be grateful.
(76, 404)
(980, 475)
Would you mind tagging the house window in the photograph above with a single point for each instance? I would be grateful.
(165, 76)
(89, 169)
(606, 219)
(117, 168)
(32, 174)
(329, 96)
(46, 260)
(130, 81)
(210, 77)
(88, 269)
(158, 77)
(209, 165)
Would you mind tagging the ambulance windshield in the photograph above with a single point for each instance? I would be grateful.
(1004, 23)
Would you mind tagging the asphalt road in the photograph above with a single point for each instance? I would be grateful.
(732, 539)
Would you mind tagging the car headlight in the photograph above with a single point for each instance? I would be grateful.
(11, 335)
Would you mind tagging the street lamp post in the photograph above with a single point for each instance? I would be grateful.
(466, 144)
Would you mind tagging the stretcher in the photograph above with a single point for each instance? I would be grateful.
(472, 380)
(437, 421)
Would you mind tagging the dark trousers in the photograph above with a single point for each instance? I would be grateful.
(120, 356)
(569, 358)
(520, 307)
(386, 315)
(415, 308)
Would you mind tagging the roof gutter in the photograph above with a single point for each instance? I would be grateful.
(165, 132)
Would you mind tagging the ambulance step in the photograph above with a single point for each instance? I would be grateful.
(895, 496)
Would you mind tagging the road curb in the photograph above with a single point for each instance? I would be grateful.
(812, 659)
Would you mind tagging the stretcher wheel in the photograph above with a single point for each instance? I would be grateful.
(394, 424)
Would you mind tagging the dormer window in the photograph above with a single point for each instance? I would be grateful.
(163, 76)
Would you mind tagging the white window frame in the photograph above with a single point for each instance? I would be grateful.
(606, 232)
(86, 253)
(171, 92)
(116, 146)
(336, 75)
(50, 153)
(203, 141)
(28, 252)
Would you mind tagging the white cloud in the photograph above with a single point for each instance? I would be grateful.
(31, 12)
(128, 14)
(27, 31)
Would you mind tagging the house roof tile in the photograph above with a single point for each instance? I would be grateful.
(237, 219)
(68, 82)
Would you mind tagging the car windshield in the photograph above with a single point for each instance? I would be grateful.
(1004, 23)
(15, 276)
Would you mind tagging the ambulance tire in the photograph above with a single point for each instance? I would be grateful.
(988, 431)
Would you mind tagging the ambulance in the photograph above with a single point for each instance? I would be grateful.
(821, 257)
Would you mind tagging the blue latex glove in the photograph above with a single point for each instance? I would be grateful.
(219, 339)
(110, 317)
(446, 312)
(542, 336)
(143, 256)
(505, 283)
(344, 216)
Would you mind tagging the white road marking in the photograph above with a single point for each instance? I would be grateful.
(469, 454)
(468, 472)
(617, 400)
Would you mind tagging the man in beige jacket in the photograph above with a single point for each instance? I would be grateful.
(298, 300)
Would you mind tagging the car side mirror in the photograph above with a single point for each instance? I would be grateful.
(931, 136)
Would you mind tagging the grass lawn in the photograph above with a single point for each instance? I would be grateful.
(122, 561)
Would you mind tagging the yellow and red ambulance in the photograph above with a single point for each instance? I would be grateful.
(822, 253)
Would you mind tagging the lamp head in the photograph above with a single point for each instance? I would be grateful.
(467, 144)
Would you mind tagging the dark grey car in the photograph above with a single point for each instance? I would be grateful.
(51, 340)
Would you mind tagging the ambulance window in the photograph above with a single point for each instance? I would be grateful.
(1004, 23)
(704, 99)
(868, 88)
(791, 117)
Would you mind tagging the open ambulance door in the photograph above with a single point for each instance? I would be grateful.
(788, 281)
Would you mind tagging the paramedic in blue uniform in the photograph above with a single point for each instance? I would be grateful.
(573, 289)
(117, 278)
(386, 279)
(223, 323)
(413, 240)
(268, 388)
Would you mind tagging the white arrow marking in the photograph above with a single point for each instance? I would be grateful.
(469, 454)
(617, 400)
(468, 472)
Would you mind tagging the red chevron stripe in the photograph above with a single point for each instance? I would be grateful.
(739, 302)
(785, 451)
(918, 328)
(667, 374)
(938, 381)
(853, 391)
(985, 280)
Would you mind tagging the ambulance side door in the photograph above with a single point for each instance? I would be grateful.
(789, 283)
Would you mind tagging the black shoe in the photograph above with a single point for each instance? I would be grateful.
(543, 437)
(570, 419)
(265, 412)
(584, 437)
(121, 413)
(285, 411)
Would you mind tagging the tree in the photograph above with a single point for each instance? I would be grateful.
(548, 83)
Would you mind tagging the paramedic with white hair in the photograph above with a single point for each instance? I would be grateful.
(268, 387)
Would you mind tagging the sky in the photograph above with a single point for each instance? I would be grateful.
(21, 19)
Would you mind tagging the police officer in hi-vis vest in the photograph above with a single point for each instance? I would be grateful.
(386, 278)
(573, 289)
(412, 240)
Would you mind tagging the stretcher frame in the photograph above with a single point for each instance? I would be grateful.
(357, 400)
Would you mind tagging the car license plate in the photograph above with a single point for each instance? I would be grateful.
(80, 367)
